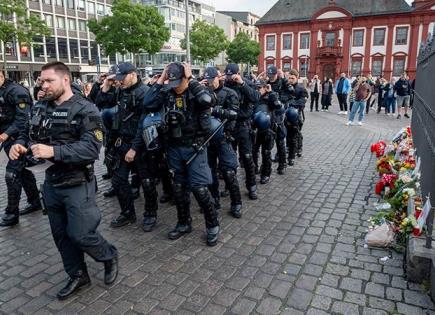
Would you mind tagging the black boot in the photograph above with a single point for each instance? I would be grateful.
(34, 206)
(291, 162)
(180, 230)
(212, 235)
(135, 192)
(9, 219)
(252, 193)
(165, 198)
(149, 222)
(217, 204)
(111, 192)
(110, 270)
(79, 280)
(264, 180)
(236, 211)
(225, 193)
(123, 219)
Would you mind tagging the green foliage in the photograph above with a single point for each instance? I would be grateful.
(243, 50)
(25, 27)
(206, 41)
(132, 28)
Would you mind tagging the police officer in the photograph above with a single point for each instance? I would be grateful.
(129, 99)
(226, 109)
(187, 104)
(299, 96)
(66, 130)
(268, 103)
(248, 97)
(280, 86)
(15, 103)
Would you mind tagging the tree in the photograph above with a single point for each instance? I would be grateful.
(133, 28)
(243, 50)
(206, 41)
(16, 25)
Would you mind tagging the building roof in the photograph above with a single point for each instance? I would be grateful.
(241, 16)
(303, 10)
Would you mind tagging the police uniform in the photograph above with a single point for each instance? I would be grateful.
(124, 128)
(15, 104)
(187, 124)
(74, 130)
(281, 87)
(220, 148)
(266, 106)
(242, 132)
(299, 96)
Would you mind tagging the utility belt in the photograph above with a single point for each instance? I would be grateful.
(187, 142)
(65, 177)
(123, 140)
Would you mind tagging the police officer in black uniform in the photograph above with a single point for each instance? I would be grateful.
(187, 105)
(280, 86)
(226, 109)
(299, 96)
(129, 99)
(66, 130)
(268, 104)
(248, 97)
(15, 104)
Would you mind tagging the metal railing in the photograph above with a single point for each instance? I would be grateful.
(330, 51)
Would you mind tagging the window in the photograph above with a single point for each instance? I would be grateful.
(59, 3)
(100, 9)
(72, 24)
(60, 22)
(379, 37)
(286, 66)
(305, 41)
(270, 42)
(74, 49)
(91, 8)
(50, 45)
(38, 47)
(377, 67)
(330, 39)
(356, 67)
(398, 66)
(303, 71)
(49, 20)
(84, 49)
(70, 4)
(82, 25)
(401, 35)
(358, 38)
(81, 5)
(47, 1)
(287, 41)
(62, 46)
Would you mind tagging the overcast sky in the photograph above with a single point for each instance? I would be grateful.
(259, 7)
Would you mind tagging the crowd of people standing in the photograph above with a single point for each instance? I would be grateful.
(362, 94)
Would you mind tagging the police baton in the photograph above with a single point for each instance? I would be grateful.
(206, 142)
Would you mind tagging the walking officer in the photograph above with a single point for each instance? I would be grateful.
(294, 123)
(248, 97)
(225, 112)
(66, 130)
(187, 107)
(129, 99)
(15, 104)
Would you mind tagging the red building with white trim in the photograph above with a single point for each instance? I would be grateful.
(326, 37)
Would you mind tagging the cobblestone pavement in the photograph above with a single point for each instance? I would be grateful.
(297, 250)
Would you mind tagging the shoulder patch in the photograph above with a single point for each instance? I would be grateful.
(22, 105)
(98, 135)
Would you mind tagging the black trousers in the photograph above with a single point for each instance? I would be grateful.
(243, 141)
(314, 100)
(120, 181)
(264, 141)
(74, 217)
(18, 177)
(342, 101)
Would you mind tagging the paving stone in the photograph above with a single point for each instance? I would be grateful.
(321, 302)
(394, 294)
(355, 298)
(351, 284)
(330, 292)
(243, 306)
(300, 299)
(417, 298)
(345, 308)
(375, 289)
(269, 306)
(279, 288)
(381, 304)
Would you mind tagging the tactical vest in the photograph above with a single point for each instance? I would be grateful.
(7, 110)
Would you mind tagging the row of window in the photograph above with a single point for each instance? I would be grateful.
(356, 66)
(358, 39)
(377, 66)
(61, 24)
(80, 5)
